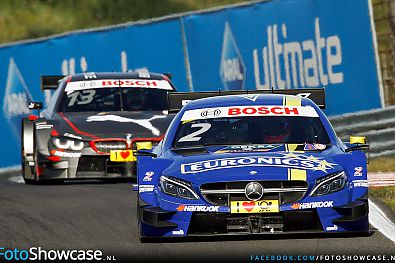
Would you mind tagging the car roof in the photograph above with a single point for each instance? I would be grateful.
(117, 75)
(250, 99)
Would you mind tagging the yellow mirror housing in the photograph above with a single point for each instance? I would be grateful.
(357, 139)
(144, 145)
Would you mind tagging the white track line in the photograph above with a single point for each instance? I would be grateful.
(381, 179)
(381, 184)
(381, 222)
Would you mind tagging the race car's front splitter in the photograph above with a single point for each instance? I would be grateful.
(352, 217)
(83, 167)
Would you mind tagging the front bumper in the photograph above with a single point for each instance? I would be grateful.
(156, 222)
(85, 167)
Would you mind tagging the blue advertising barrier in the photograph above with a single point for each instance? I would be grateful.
(277, 44)
(288, 44)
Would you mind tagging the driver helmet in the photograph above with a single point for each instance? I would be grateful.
(136, 100)
(276, 130)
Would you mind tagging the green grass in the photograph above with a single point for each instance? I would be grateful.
(25, 19)
(386, 194)
(382, 164)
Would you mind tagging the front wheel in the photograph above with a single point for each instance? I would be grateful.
(28, 172)
(138, 219)
(29, 181)
(28, 148)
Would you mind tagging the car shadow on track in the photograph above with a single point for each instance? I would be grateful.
(250, 237)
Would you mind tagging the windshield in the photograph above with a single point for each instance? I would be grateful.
(114, 99)
(251, 130)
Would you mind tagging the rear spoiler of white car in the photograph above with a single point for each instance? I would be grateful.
(50, 82)
(178, 99)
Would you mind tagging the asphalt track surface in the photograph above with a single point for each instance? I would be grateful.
(95, 215)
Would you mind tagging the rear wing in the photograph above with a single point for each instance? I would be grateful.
(178, 99)
(50, 82)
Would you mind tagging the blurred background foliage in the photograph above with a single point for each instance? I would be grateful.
(25, 19)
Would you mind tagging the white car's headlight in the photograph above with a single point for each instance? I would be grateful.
(67, 144)
(329, 184)
(177, 188)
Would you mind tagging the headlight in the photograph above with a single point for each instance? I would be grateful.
(329, 184)
(177, 188)
(68, 144)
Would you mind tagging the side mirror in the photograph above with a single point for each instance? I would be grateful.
(357, 139)
(363, 147)
(35, 105)
(143, 145)
(168, 74)
(359, 143)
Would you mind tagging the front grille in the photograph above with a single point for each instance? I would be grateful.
(287, 192)
(92, 164)
(222, 223)
(255, 223)
(101, 166)
(107, 146)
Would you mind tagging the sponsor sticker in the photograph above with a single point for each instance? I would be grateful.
(144, 74)
(314, 146)
(197, 208)
(43, 125)
(72, 136)
(360, 183)
(146, 188)
(178, 232)
(289, 160)
(90, 75)
(253, 110)
(113, 83)
(66, 154)
(210, 112)
(122, 156)
(262, 206)
(148, 176)
(247, 148)
(332, 228)
(251, 97)
(309, 205)
(358, 171)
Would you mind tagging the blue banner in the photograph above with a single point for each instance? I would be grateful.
(288, 44)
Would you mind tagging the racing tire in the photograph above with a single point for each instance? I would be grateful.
(30, 181)
(27, 171)
(138, 220)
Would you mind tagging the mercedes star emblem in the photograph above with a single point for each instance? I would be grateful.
(253, 191)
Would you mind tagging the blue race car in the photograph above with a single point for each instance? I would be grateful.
(252, 164)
